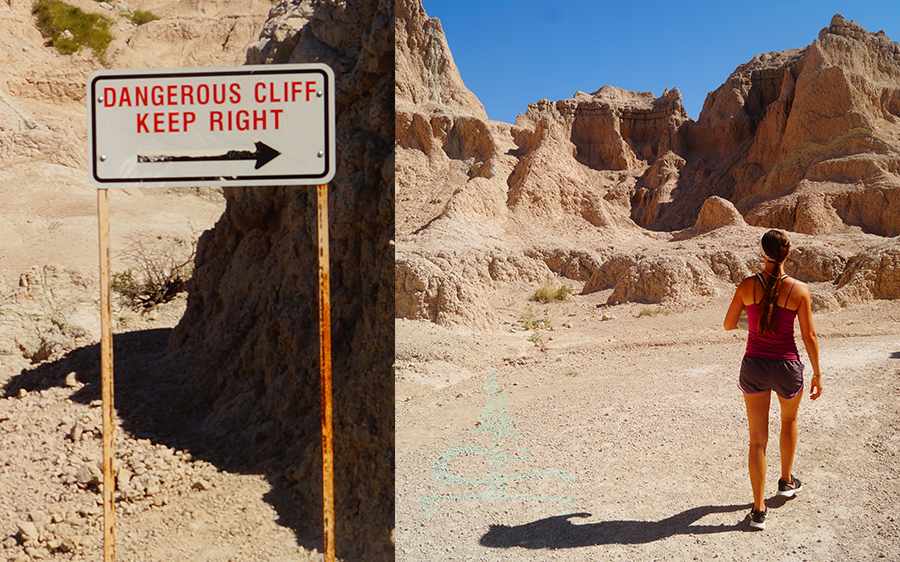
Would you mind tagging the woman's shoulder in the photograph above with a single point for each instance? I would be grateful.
(745, 287)
(797, 284)
(799, 292)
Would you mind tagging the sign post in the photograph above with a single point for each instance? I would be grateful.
(267, 125)
(106, 380)
(325, 375)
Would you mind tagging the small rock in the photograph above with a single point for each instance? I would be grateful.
(201, 485)
(39, 518)
(66, 34)
(123, 478)
(77, 431)
(23, 393)
(37, 553)
(69, 544)
(72, 381)
(27, 530)
(88, 475)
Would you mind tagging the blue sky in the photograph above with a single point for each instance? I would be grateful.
(512, 53)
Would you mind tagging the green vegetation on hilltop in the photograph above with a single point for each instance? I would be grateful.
(55, 18)
(140, 17)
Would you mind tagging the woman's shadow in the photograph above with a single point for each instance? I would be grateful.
(559, 532)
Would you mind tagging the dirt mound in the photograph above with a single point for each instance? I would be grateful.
(717, 212)
(664, 280)
(425, 292)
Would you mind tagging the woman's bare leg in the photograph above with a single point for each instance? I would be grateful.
(789, 433)
(758, 418)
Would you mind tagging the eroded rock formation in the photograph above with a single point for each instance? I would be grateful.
(800, 140)
(657, 207)
(250, 333)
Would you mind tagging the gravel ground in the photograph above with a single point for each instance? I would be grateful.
(181, 495)
(625, 437)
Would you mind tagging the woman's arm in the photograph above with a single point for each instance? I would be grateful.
(810, 340)
(736, 306)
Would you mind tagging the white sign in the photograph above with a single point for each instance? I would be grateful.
(248, 125)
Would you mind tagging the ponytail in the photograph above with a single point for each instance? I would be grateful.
(775, 248)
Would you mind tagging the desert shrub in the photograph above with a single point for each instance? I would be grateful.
(140, 17)
(530, 322)
(55, 18)
(548, 293)
(654, 312)
(158, 273)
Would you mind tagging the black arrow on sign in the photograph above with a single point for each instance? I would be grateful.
(263, 155)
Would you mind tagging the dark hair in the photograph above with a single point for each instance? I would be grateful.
(776, 247)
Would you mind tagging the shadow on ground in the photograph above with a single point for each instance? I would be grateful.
(155, 403)
(559, 532)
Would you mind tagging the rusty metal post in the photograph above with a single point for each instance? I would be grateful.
(106, 381)
(325, 370)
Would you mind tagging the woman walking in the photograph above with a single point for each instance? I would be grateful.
(771, 362)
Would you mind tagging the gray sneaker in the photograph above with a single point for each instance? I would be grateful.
(758, 518)
(788, 489)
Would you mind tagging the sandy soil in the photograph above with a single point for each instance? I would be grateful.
(626, 438)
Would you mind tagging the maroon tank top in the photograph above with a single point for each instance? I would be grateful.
(780, 343)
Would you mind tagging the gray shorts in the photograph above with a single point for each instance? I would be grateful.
(762, 375)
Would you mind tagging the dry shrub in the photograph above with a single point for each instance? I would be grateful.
(159, 271)
(549, 293)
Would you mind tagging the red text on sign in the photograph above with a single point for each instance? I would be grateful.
(173, 94)
(273, 92)
(165, 122)
(244, 120)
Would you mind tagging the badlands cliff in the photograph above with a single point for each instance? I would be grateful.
(620, 191)
(244, 357)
